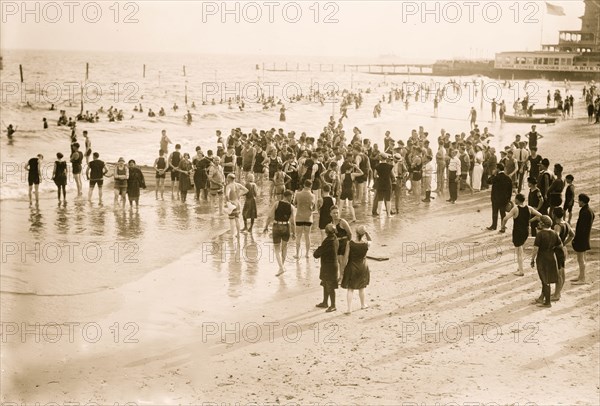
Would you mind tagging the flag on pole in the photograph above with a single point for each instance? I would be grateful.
(555, 10)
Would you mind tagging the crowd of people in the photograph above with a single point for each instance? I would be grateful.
(329, 176)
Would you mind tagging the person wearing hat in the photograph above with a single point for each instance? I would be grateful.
(400, 172)
(135, 182)
(501, 194)
(120, 174)
(427, 175)
(583, 229)
(535, 200)
(546, 241)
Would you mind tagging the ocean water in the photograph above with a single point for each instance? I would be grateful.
(117, 80)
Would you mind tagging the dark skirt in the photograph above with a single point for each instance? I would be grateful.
(356, 275)
(184, 182)
(519, 236)
(249, 211)
(547, 267)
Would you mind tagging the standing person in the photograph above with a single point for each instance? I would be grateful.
(174, 160)
(523, 215)
(216, 180)
(581, 241)
(160, 166)
(76, 163)
(569, 197)
(329, 272)
(95, 173)
(478, 168)
(533, 137)
(555, 189)
(88, 146)
(522, 157)
(350, 173)
(59, 176)
(494, 106)
(199, 172)
(305, 204)
(135, 182)
(164, 142)
(427, 175)
(282, 113)
(465, 165)
(284, 224)
(324, 205)
(454, 168)
(472, 117)
(249, 210)
(121, 174)
(544, 181)
(535, 200)
(233, 192)
(184, 169)
(34, 176)
(356, 275)
(440, 161)
(248, 155)
(383, 176)
(546, 241)
(566, 234)
(533, 163)
(401, 174)
(10, 130)
(342, 231)
(501, 194)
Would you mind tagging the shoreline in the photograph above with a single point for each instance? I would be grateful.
(377, 356)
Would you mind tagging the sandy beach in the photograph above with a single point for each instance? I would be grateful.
(201, 319)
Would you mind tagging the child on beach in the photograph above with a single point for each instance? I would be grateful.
(329, 273)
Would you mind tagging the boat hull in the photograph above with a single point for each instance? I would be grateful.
(530, 120)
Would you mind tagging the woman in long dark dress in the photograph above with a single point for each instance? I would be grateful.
(356, 275)
(184, 169)
(59, 176)
(135, 182)
(249, 211)
(546, 241)
(523, 215)
(329, 272)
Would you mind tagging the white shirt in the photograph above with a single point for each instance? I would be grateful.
(454, 165)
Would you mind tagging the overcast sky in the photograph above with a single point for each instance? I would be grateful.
(353, 28)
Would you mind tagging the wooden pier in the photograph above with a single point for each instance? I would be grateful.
(377, 69)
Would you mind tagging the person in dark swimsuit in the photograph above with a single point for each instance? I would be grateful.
(283, 215)
(329, 272)
(95, 174)
(121, 174)
(581, 241)
(76, 162)
(522, 215)
(356, 275)
(160, 166)
(343, 232)
(34, 175)
(174, 161)
(249, 210)
(324, 205)
(59, 176)
(546, 242)
(569, 198)
(566, 234)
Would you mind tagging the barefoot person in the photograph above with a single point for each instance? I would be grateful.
(566, 234)
(305, 204)
(342, 231)
(160, 166)
(174, 161)
(95, 174)
(135, 182)
(59, 176)
(329, 272)
(283, 215)
(523, 215)
(581, 242)
(544, 246)
(233, 192)
(76, 163)
(356, 275)
(249, 211)
(120, 174)
(34, 175)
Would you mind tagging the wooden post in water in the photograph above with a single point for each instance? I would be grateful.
(144, 72)
(186, 99)
(87, 70)
(183, 70)
(21, 72)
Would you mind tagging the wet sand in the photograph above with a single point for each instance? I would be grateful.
(199, 318)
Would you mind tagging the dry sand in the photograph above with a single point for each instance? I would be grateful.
(446, 322)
